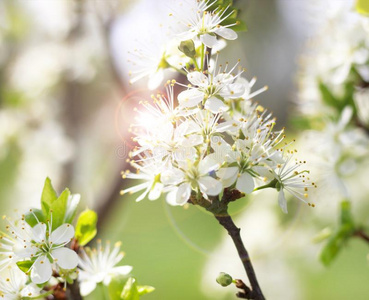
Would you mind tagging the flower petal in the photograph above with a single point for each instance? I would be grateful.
(183, 193)
(41, 270)
(197, 78)
(121, 270)
(190, 98)
(208, 40)
(226, 33)
(210, 186)
(228, 175)
(245, 183)
(282, 201)
(215, 105)
(39, 232)
(86, 287)
(65, 258)
(62, 235)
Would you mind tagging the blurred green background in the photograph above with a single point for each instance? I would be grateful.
(64, 114)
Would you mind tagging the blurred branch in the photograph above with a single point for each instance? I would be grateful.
(362, 235)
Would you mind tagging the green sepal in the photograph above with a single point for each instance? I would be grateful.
(25, 265)
(86, 227)
(34, 217)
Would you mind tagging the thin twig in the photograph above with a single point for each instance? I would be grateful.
(227, 222)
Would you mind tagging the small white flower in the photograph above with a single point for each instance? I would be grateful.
(99, 266)
(192, 176)
(149, 170)
(211, 90)
(202, 24)
(43, 246)
(292, 180)
(14, 285)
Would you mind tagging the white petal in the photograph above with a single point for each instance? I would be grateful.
(215, 105)
(228, 175)
(210, 186)
(208, 164)
(183, 193)
(197, 78)
(232, 91)
(62, 235)
(41, 270)
(155, 79)
(86, 287)
(39, 232)
(226, 33)
(245, 183)
(190, 98)
(172, 177)
(282, 201)
(156, 190)
(121, 270)
(65, 258)
(208, 40)
(172, 197)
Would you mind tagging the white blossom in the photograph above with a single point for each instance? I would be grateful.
(100, 266)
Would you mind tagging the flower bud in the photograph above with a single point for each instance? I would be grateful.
(224, 279)
(188, 48)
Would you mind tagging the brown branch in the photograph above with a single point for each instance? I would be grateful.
(234, 232)
(362, 235)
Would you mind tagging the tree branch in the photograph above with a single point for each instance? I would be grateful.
(361, 234)
(255, 293)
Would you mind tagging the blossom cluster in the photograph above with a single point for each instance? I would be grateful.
(334, 96)
(41, 253)
(212, 135)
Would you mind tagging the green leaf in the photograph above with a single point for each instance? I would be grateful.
(130, 291)
(362, 7)
(335, 244)
(34, 217)
(116, 286)
(327, 96)
(48, 197)
(59, 208)
(145, 289)
(346, 217)
(25, 265)
(73, 201)
(86, 227)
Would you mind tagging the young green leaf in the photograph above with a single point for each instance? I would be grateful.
(59, 208)
(130, 291)
(34, 217)
(25, 265)
(116, 286)
(86, 227)
(145, 289)
(362, 7)
(48, 197)
(335, 244)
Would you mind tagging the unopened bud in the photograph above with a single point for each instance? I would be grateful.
(188, 48)
(224, 279)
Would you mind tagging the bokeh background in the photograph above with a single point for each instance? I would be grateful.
(65, 105)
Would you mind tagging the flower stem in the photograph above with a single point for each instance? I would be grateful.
(73, 291)
(227, 222)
